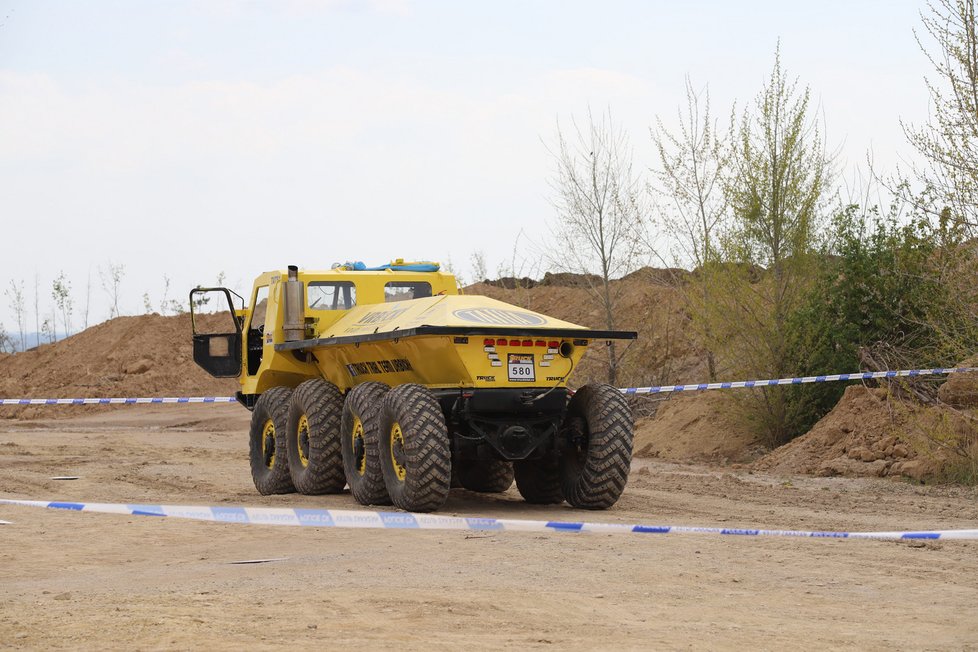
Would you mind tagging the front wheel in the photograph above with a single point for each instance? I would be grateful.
(415, 454)
(597, 450)
(267, 443)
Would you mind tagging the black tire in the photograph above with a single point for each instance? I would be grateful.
(315, 461)
(415, 453)
(538, 481)
(360, 437)
(598, 447)
(267, 442)
(486, 476)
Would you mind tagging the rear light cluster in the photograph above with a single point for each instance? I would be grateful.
(489, 345)
(505, 342)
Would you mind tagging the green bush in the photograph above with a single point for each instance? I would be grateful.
(880, 282)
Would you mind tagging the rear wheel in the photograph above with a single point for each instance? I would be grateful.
(598, 452)
(415, 454)
(313, 438)
(267, 445)
(487, 476)
(538, 481)
(360, 436)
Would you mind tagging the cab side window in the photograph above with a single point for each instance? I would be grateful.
(406, 290)
(331, 295)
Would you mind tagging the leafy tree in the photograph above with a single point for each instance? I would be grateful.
(776, 189)
(61, 293)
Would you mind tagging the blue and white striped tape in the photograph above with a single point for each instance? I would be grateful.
(116, 401)
(661, 389)
(341, 518)
(859, 375)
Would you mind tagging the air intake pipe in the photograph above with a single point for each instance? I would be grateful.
(294, 327)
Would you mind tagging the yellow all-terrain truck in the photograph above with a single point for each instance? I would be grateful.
(390, 381)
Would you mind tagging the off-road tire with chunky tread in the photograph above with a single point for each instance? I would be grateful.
(593, 475)
(538, 481)
(272, 406)
(486, 476)
(322, 405)
(364, 402)
(425, 456)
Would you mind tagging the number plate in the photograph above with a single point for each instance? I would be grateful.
(521, 368)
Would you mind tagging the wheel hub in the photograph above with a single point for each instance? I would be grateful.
(268, 444)
(302, 432)
(397, 451)
(577, 437)
(359, 447)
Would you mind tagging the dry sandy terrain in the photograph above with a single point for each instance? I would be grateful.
(97, 581)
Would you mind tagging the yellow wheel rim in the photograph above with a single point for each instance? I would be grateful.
(302, 434)
(359, 446)
(268, 444)
(397, 449)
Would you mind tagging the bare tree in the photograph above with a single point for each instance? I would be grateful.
(37, 309)
(6, 342)
(15, 294)
(599, 216)
(111, 277)
(479, 271)
(691, 205)
(49, 331)
(949, 141)
(168, 305)
(88, 298)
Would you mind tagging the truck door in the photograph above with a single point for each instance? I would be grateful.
(217, 331)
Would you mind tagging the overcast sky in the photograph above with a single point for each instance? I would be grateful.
(189, 138)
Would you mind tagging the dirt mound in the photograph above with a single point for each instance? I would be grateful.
(870, 434)
(696, 427)
(147, 355)
(961, 390)
(665, 351)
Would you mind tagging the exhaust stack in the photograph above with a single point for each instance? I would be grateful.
(294, 327)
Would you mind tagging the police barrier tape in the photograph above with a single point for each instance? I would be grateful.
(341, 518)
(115, 401)
(662, 389)
(830, 378)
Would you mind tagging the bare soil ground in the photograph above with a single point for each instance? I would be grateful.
(99, 581)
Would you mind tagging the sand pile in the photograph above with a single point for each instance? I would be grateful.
(147, 355)
(697, 427)
(869, 433)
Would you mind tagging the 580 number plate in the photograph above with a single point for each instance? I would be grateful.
(521, 369)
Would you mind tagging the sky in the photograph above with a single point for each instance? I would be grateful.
(182, 140)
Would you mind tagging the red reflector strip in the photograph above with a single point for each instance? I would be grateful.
(500, 342)
(514, 343)
(488, 342)
(527, 342)
(553, 345)
(540, 343)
